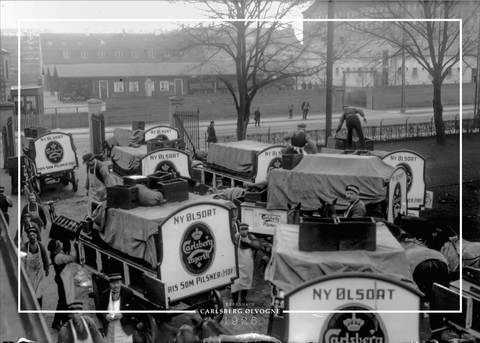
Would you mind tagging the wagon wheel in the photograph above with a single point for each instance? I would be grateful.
(149, 332)
(215, 303)
(73, 180)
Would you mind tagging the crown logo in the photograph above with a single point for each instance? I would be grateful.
(354, 323)
(165, 167)
(277, 164)
(197, 234)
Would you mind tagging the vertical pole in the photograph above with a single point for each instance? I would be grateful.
(402, 105)
(330, 37)
(477, 88)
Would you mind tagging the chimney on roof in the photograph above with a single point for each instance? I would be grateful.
(87, 33)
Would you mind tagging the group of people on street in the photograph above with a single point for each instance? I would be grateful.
(305, 108)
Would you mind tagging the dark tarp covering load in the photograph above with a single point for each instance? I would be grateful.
(326, 176)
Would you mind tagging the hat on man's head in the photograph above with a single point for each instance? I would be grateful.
(302, 125)
(77, 305)
(2, 189)
(345, 106)
(353, 188)
(114, 277)
(27, 214)
(87, 157)
(31, 229)
(243, 226)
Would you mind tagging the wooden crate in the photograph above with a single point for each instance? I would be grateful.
(174, 190)
(122, 196)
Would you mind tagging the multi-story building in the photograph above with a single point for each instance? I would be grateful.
(5, 83)
(120, 65)
(367, 60)
(30, 57)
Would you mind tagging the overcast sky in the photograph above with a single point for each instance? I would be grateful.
(97, 16)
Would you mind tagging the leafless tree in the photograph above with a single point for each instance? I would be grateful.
(256, 44)
(435, 45)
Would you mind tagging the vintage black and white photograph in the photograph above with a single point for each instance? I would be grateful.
(240, 171)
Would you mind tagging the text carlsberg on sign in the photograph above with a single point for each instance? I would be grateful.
(198, 248)
(354, 328)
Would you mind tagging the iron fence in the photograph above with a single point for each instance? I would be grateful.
(375, 133)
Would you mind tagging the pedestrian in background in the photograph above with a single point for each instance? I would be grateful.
(79, 329)
(119, 327)
(211, 135)
(256, 117)
(35, 262)
(290, 110)
(36, 211)
(64, 277)
(305, 108)
(5, 203)
(245, 243)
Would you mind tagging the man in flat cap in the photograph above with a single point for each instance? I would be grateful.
(119, 327)
(79, 329)
(37, 213)
(353, 123)
(35, 262)
(299, 139)
(245, 243)
(98, 179)
(27, 223)
(5, 203)
(356, 208)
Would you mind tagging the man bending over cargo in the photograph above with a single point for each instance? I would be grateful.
(353, 123)
(299, 139)
(98, 179)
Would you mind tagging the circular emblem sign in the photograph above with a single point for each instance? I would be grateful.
(275, 163)
(409, 175)
(198, 248)
(166, 166)
(54, 152)
(354, 327)
(397, 204)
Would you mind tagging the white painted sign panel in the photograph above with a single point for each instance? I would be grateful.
(166, 160)
(163, 131)
(198, 250)
(354, 292)
(397, 195)
(414, 165)
(268, 160)
(55, 153)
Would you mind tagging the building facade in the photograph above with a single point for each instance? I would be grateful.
(30, 56)
(5, 82)
(84, 66)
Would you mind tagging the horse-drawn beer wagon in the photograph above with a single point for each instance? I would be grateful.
(49, 158)
(173, 257)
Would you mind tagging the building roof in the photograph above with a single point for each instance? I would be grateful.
(136, 69)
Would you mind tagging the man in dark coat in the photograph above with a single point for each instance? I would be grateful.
(256, 117)
(299, 139)
(118, 327)
(353, 123)
(211, 135)
(305, 108)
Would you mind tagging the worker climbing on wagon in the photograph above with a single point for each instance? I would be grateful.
(98, 179)
(245, 242)
(356, 208)
(353, 123)
(299, 139)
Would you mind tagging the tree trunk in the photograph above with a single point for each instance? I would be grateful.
(438, 111)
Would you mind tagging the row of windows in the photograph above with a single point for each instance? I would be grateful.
(118, 87)
(119, 54)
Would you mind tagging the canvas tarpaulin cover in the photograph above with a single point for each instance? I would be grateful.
(126, 137)
(326, 176)
(127, 157)
(235, 156)
(290, 267)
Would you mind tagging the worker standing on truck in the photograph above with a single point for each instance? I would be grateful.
(245, 243)
(299, 139)
(98, 179)
(353, 123)
(119, 327)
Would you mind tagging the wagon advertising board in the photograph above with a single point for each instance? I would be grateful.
(166, 160)
(55, 153)
(397, 195)
(268, 160)
(198, 252)
(166, 131)
(357, 296)
(414, 165)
